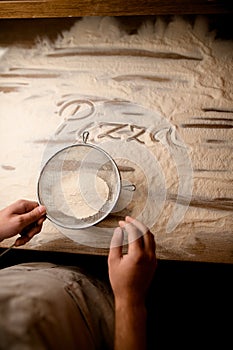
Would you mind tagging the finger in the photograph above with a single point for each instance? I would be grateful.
(141, 227)
(149, 242)
(21, 241)
(32, 230)
(116, 244)
(134, 237)
(23, 206)
(41, 220)
(148, 237)
(27, 235)
(33, 216)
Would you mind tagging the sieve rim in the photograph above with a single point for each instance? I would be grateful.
(118, 190)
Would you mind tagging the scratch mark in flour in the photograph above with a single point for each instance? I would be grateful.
(207, 126)
(130, 113)
(215, 141)
(218, 110)
(225, 204)
(59, 130)
(29, 75)
(7, 89)
(67, 52)
(7, 167)
(113, 128)
(133, 77)
(137, 134)
(131, 131)
(211, 170)
(77, 104)
(214, 119)
(116, 102)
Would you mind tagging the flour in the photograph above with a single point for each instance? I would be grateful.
(79, 202)
(170, 83)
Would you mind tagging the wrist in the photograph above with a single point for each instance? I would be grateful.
(130, 303)
(129, 298)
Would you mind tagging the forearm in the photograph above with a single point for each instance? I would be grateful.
(130, 326)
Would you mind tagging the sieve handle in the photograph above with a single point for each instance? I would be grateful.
(85, 136)
(130, 188)
(7, 250)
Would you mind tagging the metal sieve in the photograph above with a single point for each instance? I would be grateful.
(79, 185)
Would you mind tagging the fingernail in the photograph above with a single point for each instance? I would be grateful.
(42, 209)
(121, 223)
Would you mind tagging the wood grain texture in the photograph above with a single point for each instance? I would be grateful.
(77, 8)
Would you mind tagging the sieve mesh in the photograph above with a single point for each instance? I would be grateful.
(79, 186)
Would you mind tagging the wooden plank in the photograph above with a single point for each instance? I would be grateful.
(182, 77)
(74, 8)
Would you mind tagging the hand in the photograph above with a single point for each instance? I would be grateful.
(131, 274)
(23, 217)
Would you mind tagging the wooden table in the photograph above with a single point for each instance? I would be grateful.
(74, 8)
(135, 90)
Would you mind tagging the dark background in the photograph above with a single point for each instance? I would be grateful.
(189, 303)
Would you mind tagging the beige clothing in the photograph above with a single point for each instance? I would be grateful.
(46, 306)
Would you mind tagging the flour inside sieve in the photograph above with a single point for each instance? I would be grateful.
(81, 202)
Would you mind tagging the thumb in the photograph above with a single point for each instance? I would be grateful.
(116, 244)
(33, 215)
